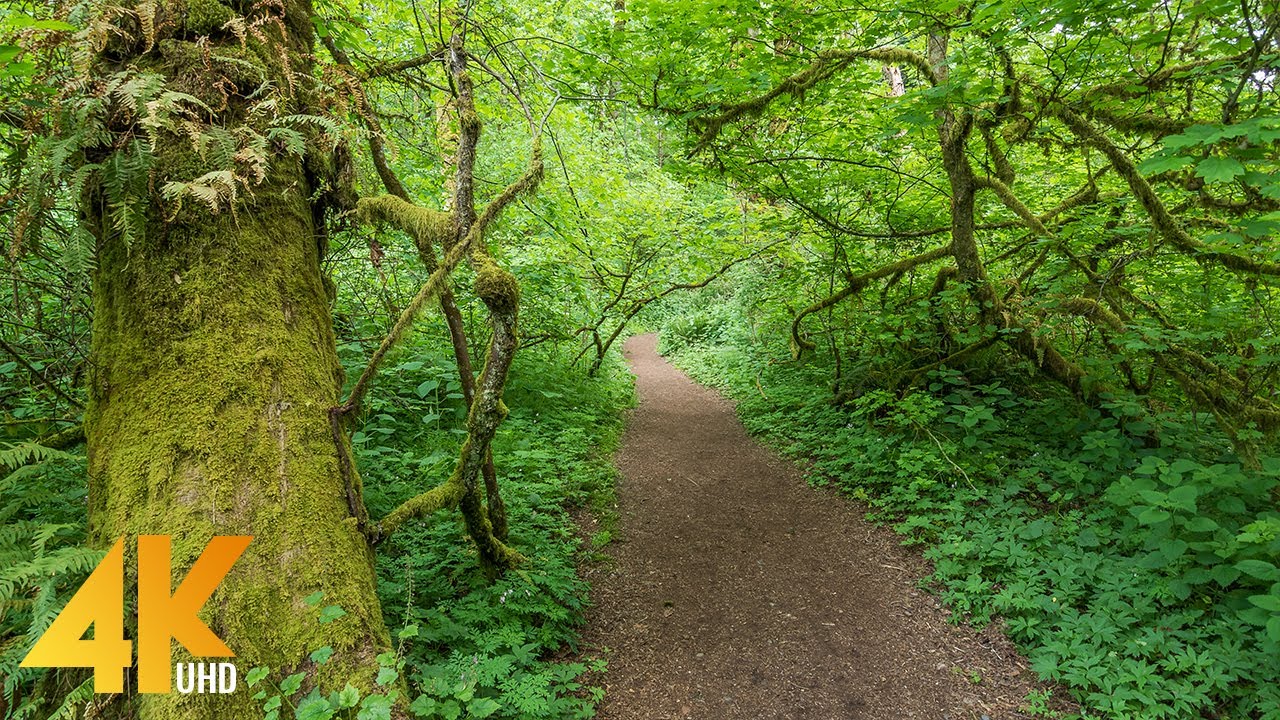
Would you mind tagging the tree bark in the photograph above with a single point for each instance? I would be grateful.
(213, 369)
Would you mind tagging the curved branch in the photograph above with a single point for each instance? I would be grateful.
(1164, 221)
(855, 285)
(826, 65)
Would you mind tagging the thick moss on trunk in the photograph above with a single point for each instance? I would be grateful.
(214, 367)
(213, 372)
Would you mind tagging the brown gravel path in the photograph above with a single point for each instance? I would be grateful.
(739, 592)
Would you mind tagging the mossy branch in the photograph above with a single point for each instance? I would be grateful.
(63, 439)
(1206, 383)
(1012, 202)
(1163, 220)
(428, 228)
(444, 496)
(1129, 88)
(855, 285)
(40, 375)
(826, 65)
(436, 282)
(913, 376)
(393, 67)
(526, 183)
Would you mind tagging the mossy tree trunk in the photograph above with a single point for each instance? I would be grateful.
(214, 368)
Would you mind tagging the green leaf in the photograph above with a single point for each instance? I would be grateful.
(375, 707)
(256, 675)
(293, 683)
(314, 598)
(314, 707)
(1184, 497)
(331, 613)
(1219, 169)
(321, 656)
(348, 697)
(1266, 602)
(482, 707)
(423, 706)
(408, 631)
(387, 675)
(1192, 136)
(1153, 515)
(1201, 524)
(1260, 569)
(1173, 549)
(1224, 575)
(1163, 163)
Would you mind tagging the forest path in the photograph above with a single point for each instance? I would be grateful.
(739, 592)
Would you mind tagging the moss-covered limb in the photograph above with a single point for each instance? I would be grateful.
(387, 68)
(63, 439)
(1134, 87)
(444, 496)
(500, 292)
(460, 150)
(954, 359)
(855, 285)
(430, 231)
(999, 160)
(1145, 123)
(426, 227)
(953, 136)
(429, 291)
(526, 183)
(1210, 386)
(1113, 294)
(796, 85)
(468, 140)
(429, 228)
(826, 65)
(1012, 202)
(1165, 223)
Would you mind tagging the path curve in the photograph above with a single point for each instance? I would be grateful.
(738, 592)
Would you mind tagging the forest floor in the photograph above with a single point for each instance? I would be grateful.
(738, 591)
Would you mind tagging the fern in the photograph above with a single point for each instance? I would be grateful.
(43, 557)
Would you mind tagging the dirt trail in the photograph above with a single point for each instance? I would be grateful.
(739, 592)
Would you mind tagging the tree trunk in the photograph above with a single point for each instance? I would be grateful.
(214, 367)
(213, 370)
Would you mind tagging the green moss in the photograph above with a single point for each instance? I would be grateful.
(205, 16)
(427, 227)
(214, 368)
(496, 287)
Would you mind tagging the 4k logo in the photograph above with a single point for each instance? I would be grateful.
(162, 616)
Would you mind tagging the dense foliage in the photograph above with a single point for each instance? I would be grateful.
(1005, 272)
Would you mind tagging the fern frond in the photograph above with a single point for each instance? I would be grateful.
(18, 454)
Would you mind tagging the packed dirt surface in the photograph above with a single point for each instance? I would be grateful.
(740, 592)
